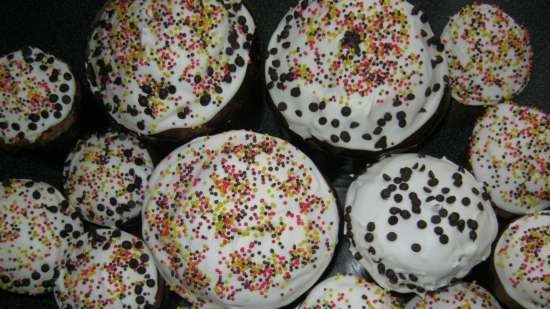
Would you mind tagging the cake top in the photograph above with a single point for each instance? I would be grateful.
(160, 65)
(418, 222)
(489, 55)
(37, 91)
(105, 177)
(457, 296)
(355, 74)
(107, 269)
(521, 260)
(351, 292)
(510, 151)
(35, 229)
(240, 219)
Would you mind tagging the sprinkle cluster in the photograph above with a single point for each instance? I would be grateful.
(35, 230)
(37, 92)
(521, 260)
(241, 219)
(107, 269)
(105, 177)
(489, 55)
(510, 151)
(159, 65)
(345, 291)
(417, 222)
(356, 74)
(460, 295)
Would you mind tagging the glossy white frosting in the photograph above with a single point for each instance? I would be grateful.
(350, 292)
(459, 295)
(105, 177)
(521, 260)
(240, 220)
(510, 152)
(160, 65)
(36, 228)
(418, 222)
(37, 92)
(356, 74)
(489, 55)
(107, 269)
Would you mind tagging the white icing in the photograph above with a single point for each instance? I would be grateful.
(509, 151)
(345, 291)
(32, 98)
(454, 197)
(105, 178)
(108, 269)
(459, 295)
(489, 55)
(240, 220)
(168, 45)
(521, 260)
(35, 230)
(391, 61)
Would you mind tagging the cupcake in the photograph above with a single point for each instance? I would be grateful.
(105, 178)
(510, 151)
(108, 269)
(459, 295)
(416, 222)
(171, 70)
(489, 55)
(36, 230)
(521, 262)
(357, 77)
(240, 220)
(345, 291)
(37, 98)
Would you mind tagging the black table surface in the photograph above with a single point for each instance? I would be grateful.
(62, 27)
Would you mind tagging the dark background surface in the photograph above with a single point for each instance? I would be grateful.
(61, 27)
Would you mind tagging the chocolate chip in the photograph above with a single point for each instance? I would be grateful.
(205, 99)
(345, 137)
(381, 143)
(346, 111)
(295, 92)
(371, 226)
(369, 237)
(313, 107)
